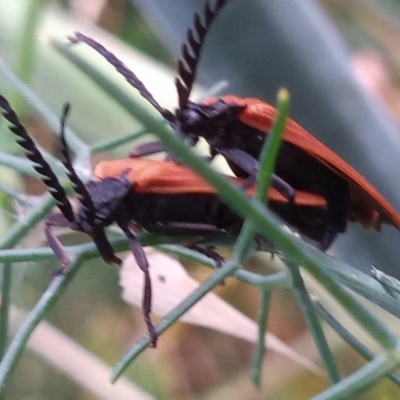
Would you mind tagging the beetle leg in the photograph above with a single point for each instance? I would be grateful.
(250, 165)
(57, 219)
(190, 140)
(208, 251)
(104, 247)
(149, 148)
(326, 241)
(141, 259)
(177, 228)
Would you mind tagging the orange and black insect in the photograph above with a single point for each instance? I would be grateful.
(157, 196)
(236, 128)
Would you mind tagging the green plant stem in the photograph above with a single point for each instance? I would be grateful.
(389, 283)
(75, 143)
(48, 298)
(5, 306)
(380, 366)
(262, 328)
(26, 49)
(278, 280)
(12, 237)
(270, 150)
(306, 306)
(20, 197)
(24, 68)
(22, 227)
(356, 280)
(18, 164)
(109, 144)
(350, 339)
(25, 167)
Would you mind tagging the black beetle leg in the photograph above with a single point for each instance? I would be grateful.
(251, 165)
(208, 251)
(141, 259)
(104, 247)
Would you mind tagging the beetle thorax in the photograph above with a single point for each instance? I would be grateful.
(209, 121)
(107, 197)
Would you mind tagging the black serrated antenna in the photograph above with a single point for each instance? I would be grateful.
(39, 163)
(79, 187)
(191, 49)
(131, 78)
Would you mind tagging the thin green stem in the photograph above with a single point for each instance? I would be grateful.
(21, 197)
(46, 301)
(146, 115)
(24, 166)
(259, 352)
(306, 306)
(363, 378)
(270, 150)
(26, 49)
(18, 164)
(389, 283)
(356, 280)
(22, 227)
(350, 339)
(112, 143)
(76, 144)
(6, 283)
(278, 280)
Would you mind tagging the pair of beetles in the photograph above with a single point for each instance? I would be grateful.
(313, 190)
